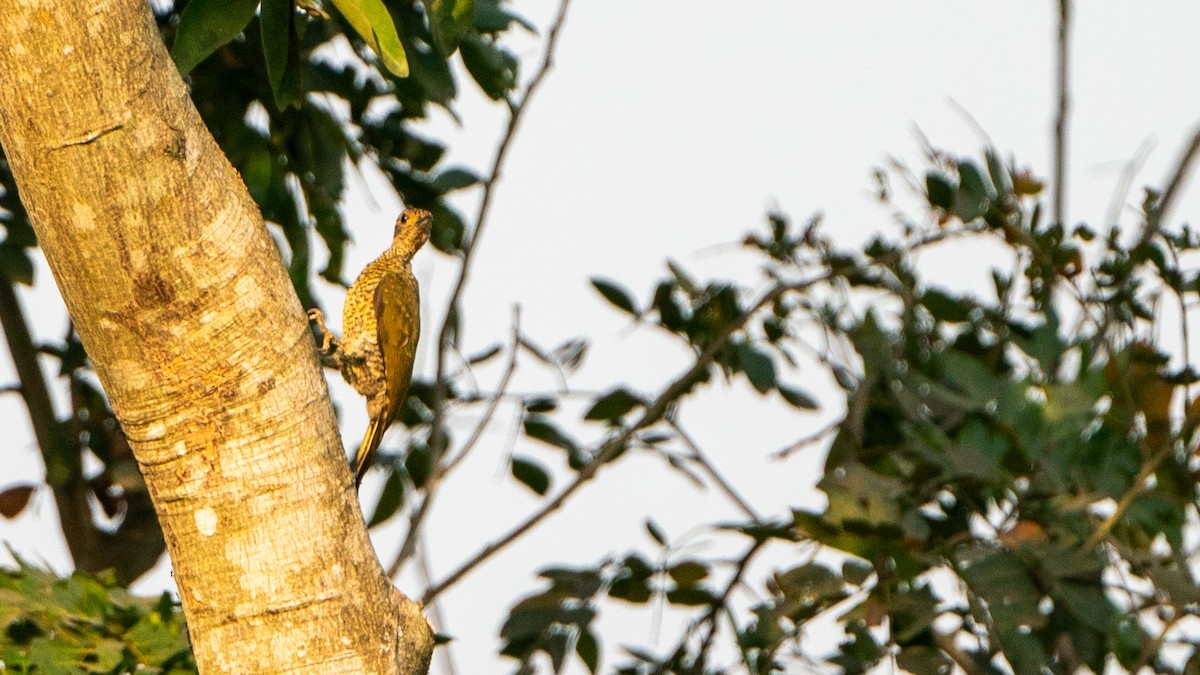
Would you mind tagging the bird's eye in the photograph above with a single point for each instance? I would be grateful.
(404, 218)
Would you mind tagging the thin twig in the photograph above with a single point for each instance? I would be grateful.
(652, 414)
(807, 440)
(435, 612)
(441, 470)
(1136, 488)
(710, 618)
(1128, 172)
(1185, 335)
(1061, 119)
(1150, 650)
(516, 112)
(699, 457)
(1174, 186)
(501, 392)
(946, 643)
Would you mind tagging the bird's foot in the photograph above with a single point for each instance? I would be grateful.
(330, 347)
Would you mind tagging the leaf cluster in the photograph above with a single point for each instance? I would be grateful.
(85, 624)
(1035, 443)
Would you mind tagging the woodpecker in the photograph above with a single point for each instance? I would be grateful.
(381, 323)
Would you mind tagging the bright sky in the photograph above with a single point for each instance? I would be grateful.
(668, 129)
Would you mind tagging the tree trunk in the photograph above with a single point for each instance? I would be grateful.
(185, 309)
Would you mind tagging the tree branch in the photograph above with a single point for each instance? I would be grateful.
(657, 409)
(1061, 118)
(411, 539)
(699, 457)
(710, 618)
(437, 440)
(1174, 186)
(611, 448)
(33, 387)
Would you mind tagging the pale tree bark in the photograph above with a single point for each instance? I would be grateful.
(183, 304)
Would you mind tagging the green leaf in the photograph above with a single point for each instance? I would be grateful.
(492, 17)
(454, 178)
(15, 264)
(946, 307)
(656, 533)
(632, 582)
(612, 406)
(974, 192)
(690, 596)
(371, 20)
(940, 190)
(757, 365)
(205, 25)
(532, 474)
(1000, 578)
(798, 398)
(671, 314)
(587, 647)
(448, 228)
(578, 582)
(390, 500)
(859, 495)
(449, 21)
(856, 571)
(616, 294)
(919, 658)
(419, 464)
(541, 404)
(541, 428)
(688, 572)
(281, 50)
(1087, 603)
(492, 67)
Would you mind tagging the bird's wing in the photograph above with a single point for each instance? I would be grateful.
(398, 325)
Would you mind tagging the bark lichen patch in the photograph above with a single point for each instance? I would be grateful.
(82, 216)
(206, 521)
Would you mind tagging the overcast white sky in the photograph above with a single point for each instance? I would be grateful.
(669, 129)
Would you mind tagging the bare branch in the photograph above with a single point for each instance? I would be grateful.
(806, 440)
(1137, 487)
(435, 612)
(443, 468)
(33, 388)
(1061, 119)
(652, 414)
(699, 457)
(710, 618)
(437, 439)
(945, 642)
(1125, 182)
(1174, 186)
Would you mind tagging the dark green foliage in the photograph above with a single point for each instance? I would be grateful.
(557, 621)
(985, 438)
(83, 624)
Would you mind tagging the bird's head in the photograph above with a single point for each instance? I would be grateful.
(412, 228)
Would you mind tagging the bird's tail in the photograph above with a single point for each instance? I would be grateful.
(370, 442)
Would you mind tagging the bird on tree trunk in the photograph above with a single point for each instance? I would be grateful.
(381, 323)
